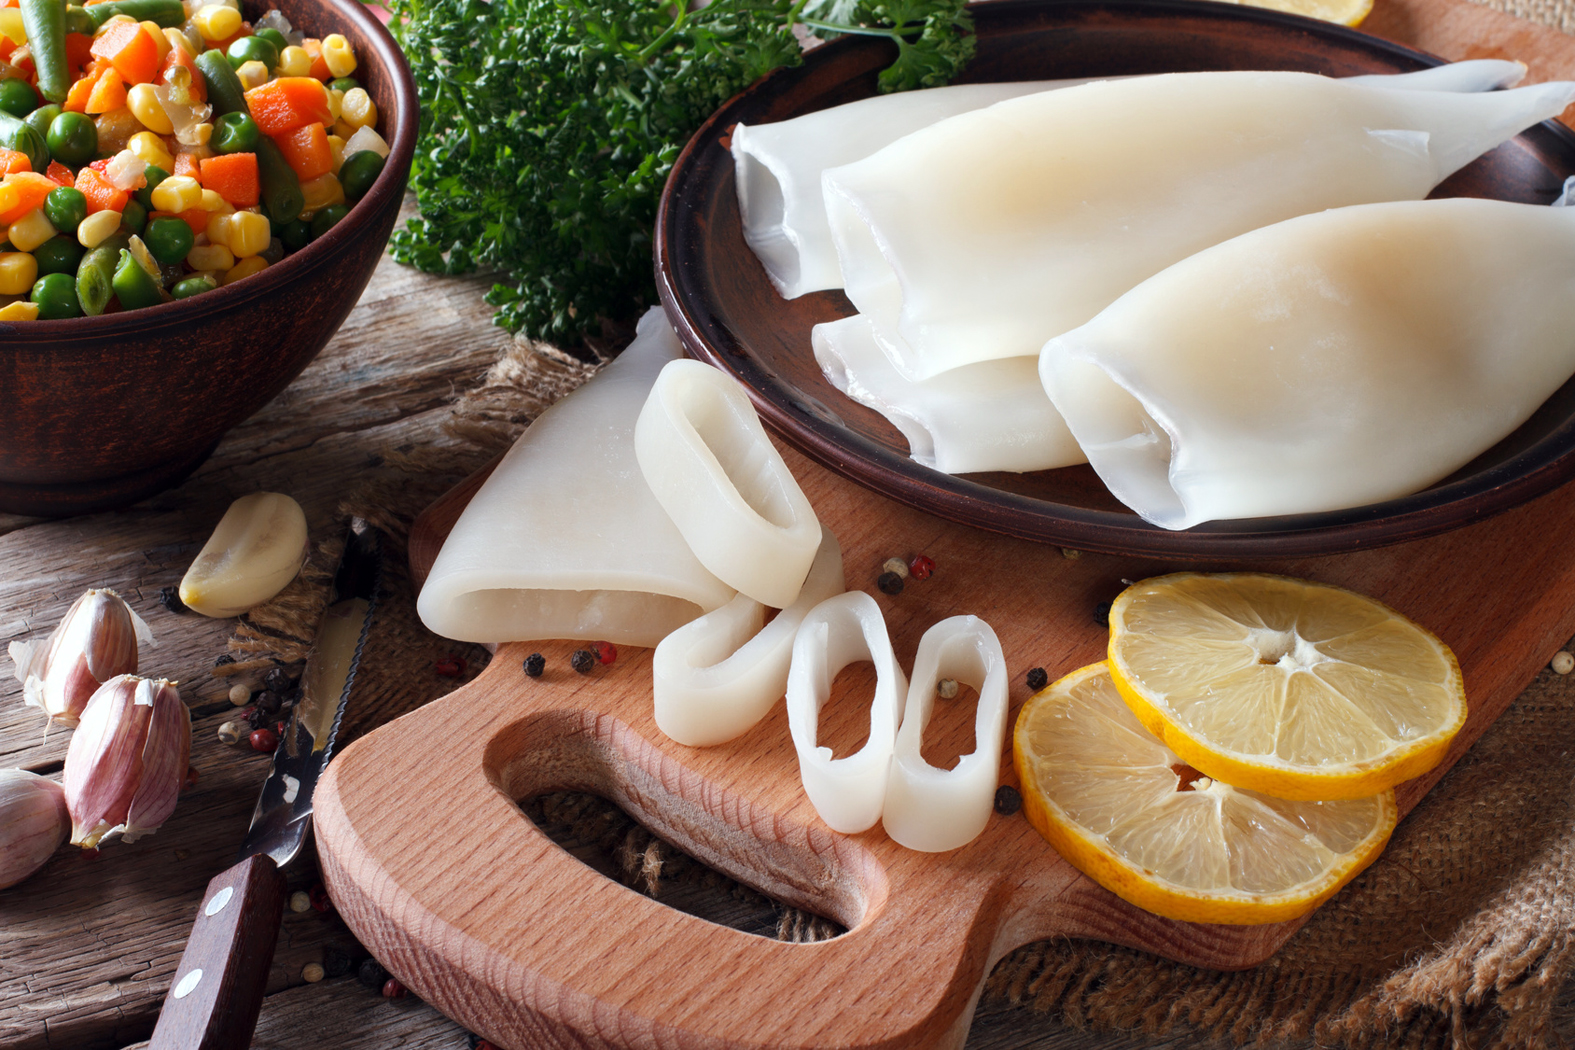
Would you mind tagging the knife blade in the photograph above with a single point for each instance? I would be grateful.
(218, 986)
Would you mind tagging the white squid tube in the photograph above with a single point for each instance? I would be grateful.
(934, 810)
(850, 792)
(711, 466)
(714, 678)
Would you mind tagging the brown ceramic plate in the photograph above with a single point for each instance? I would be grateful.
(727, 313)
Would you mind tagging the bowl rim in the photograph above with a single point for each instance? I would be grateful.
(82, 334)
(1519, 478)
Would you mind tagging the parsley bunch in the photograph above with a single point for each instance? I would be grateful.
(549, 127)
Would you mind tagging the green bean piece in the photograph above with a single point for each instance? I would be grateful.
(45, 22)
(133, 217)
(56, 296)
(163, 13)
(17, 134)
(359, 171)
(296, 234)
(17, 97)
(169, 240)
(155, 175)
(79, 21)
(253, 49)
(40, 119)
(73, 139)
(282, 199)
(194, 285)
(96, 275)
(59, 255)
(225, 93)
(234, 133)
(344, 84)
(327, 219)
(65, 208)
(134, 286)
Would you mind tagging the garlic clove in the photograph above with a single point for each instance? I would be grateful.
(33, 823)
(257, 548)
(126, 760)
(96, 640)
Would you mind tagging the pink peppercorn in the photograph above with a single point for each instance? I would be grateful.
(263, 740)
(450, 666)
(392, 989)
(921, 566)
(318, 895)
(606, 652)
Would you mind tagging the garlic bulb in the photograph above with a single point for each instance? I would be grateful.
(255, 551)
(33, 823)
(127, 760)
(96, 641)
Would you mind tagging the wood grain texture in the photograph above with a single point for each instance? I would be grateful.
(511, 935)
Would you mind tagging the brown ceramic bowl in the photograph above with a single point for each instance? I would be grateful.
(97, 412)
(727, 313)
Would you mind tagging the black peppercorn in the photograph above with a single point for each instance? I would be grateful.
(1008, 800)
(889, 583)
(256, 718)
(583, 660)
(535, 664)
(169, 597)
(222, 659)
(335, 962)
(268, 702)
(1037, 679)
(371, 973)
(277, 680)
(1102, 614)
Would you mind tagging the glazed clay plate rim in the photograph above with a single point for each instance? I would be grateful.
(803, 420)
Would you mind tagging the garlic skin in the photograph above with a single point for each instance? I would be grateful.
(33, 823)
(257, 548)
(127, 760)
(96, 641)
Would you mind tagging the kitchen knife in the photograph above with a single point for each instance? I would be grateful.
(218, 987)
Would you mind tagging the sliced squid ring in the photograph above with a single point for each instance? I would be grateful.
(930, 809)
(848, 793)
(707, 459)
(717, 676)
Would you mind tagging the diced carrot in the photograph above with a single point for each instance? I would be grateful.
(6, 47)
(186, 164)
(131, 49)
(224, 45)
(108, 94)
(196, 218)
(12, 161)
(60, 173)
(233, 176)
(101, 194)
(81, 90)
(314, 47)
(21, 193)
(79, 52)
(287, 103)
(180, 58)
(306, 150)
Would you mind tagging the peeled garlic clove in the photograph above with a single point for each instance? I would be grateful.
(127, 760)
(930, 809)
(255, 551)
(33, 823)
(96, 641)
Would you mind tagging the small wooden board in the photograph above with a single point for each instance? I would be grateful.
(442, 876)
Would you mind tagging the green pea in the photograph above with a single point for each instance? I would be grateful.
(274, 37)
(155, 175)
(56, 296)
(193, 286)
(40, 119)
(296, 234)
(327, 219)
(344, 83)
(253, 49)
(73, 139)
(169, 240)
(17, 97)
(65, 208)
(133, 216)
(58, 255)
(359, 171)
(234, 133)
(134, 286)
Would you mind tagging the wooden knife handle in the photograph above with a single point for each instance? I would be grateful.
(218, 987)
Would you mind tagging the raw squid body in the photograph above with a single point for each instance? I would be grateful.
(565, 539)
(993, 415)
(1328, 361)
(984, 235)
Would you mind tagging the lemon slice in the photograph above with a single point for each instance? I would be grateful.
(1296, 689)
(1124, 809)
(1341, 12)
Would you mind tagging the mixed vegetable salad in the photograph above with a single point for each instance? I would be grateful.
(156, 149)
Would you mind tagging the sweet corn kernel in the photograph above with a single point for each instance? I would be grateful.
(159, 40)
(212, 202)
(23, 311)
(18, 271)
(336, 149)
(146, 107)
(321, 192)
(11, 25)
(217, 22)
(177, 38)
(358, 111)
(339, 55)
(336, 105)
(342, 129)
(244, 268)
(249, 234)
(295, 62)
(210, 257)
(252, 74)
(219, 230)
(29, 232)
(151, 149)
(97, 227)
(201, 133)
(177, 193)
